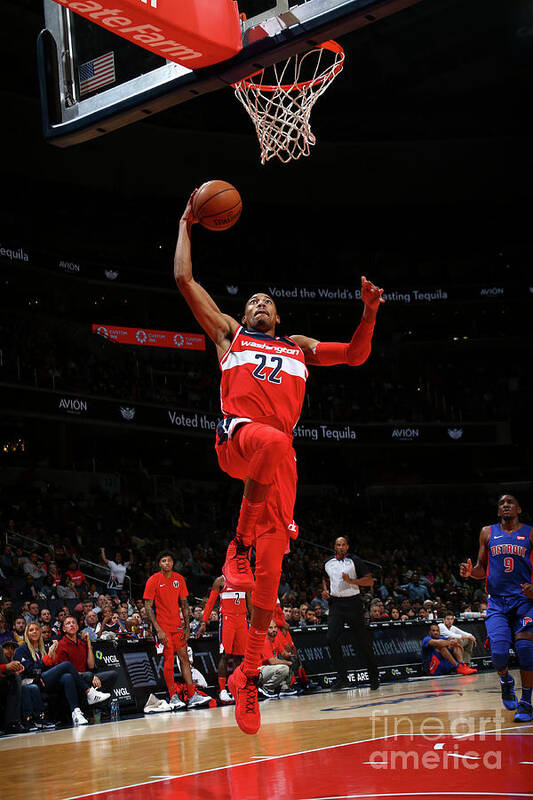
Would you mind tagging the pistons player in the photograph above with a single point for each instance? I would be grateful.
(505, 561)
(234, 605)
(262, 392)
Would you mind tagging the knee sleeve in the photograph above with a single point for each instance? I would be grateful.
(524, 651)
(500, 659)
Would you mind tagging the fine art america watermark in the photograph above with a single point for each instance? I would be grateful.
(439, 751)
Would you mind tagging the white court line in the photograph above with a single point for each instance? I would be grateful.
(495, 730)
(289, 755)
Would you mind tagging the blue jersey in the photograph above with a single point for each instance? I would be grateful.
(510, 560)
(428, 651)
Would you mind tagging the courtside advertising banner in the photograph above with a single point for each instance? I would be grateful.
(150, 338)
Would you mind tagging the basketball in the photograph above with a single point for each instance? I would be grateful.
(217, 205)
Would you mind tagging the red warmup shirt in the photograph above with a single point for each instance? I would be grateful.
(67, 650)
(268, 651)
(166, 593)
(282, 641)
(76, 576)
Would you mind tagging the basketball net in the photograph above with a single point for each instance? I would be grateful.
(280, 98)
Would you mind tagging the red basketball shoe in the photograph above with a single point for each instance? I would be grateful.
(464, 669)
(244, 689)
(237, 570)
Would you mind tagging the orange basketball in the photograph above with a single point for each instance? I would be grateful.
(217, 205)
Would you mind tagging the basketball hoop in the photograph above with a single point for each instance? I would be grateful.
(280, 103)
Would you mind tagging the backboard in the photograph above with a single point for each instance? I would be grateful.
(93, 81)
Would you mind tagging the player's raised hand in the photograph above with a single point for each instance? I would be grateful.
(371, 295)
(465, 569)
(527, 589)
(188, 215)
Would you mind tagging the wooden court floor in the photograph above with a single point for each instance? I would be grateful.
(438, 738)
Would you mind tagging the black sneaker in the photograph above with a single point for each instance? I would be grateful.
(509, 698)
(340, 684)
(15, 727)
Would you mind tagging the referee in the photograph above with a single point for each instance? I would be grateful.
(345, 574)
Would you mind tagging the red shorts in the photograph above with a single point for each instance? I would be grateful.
(275, 525)
(234, 456)
(175, 641)
(233, 631)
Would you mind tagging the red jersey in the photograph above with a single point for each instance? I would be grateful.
(166, 593)
(268, 651)
(263, 379)
(282, 641)
(232, 601)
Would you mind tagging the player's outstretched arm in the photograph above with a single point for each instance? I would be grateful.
(355, 352)
(466, 570)
(218, 326)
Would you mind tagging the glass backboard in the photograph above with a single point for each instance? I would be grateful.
(93, 81)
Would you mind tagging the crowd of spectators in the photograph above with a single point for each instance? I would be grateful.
(84, 561)
(68, 357)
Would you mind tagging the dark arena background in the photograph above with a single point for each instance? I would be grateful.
(421, 180)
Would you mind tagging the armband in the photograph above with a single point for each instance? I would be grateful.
(353, 353)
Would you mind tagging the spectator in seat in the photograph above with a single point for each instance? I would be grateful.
(19, 626)
(450, 631)
(46, 631)
(34, 568)
(415, 589)
(32, 614)
(33, 716)
(79, 651)
(117, 569)
(5, 634)
(62, 678)
(10, 693)
(76, 575)
(45, 617)
(275, 673)
(91, 625)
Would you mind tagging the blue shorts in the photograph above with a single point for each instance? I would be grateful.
(440, 666)
(506, 616)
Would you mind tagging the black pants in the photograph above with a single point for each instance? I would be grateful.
(349, 610)
(10, 699)
(108, 679)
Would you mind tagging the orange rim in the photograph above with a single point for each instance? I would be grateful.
(331, 45)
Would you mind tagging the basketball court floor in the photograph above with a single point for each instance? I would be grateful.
(436, 738)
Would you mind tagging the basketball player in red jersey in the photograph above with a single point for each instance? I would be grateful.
(262, 392)
(169, 592)
(234, 605)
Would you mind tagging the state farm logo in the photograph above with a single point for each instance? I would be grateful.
(117, 21)
(405, 434)
(455, 433)
(141, 336)
(179, 341)
(73, 405)
(127, 413)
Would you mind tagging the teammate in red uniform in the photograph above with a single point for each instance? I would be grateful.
(234, 606)
(168, 590)
(262, 392)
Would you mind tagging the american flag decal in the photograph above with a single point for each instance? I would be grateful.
(96, 73)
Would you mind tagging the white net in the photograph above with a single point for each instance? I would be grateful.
(279, 99)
